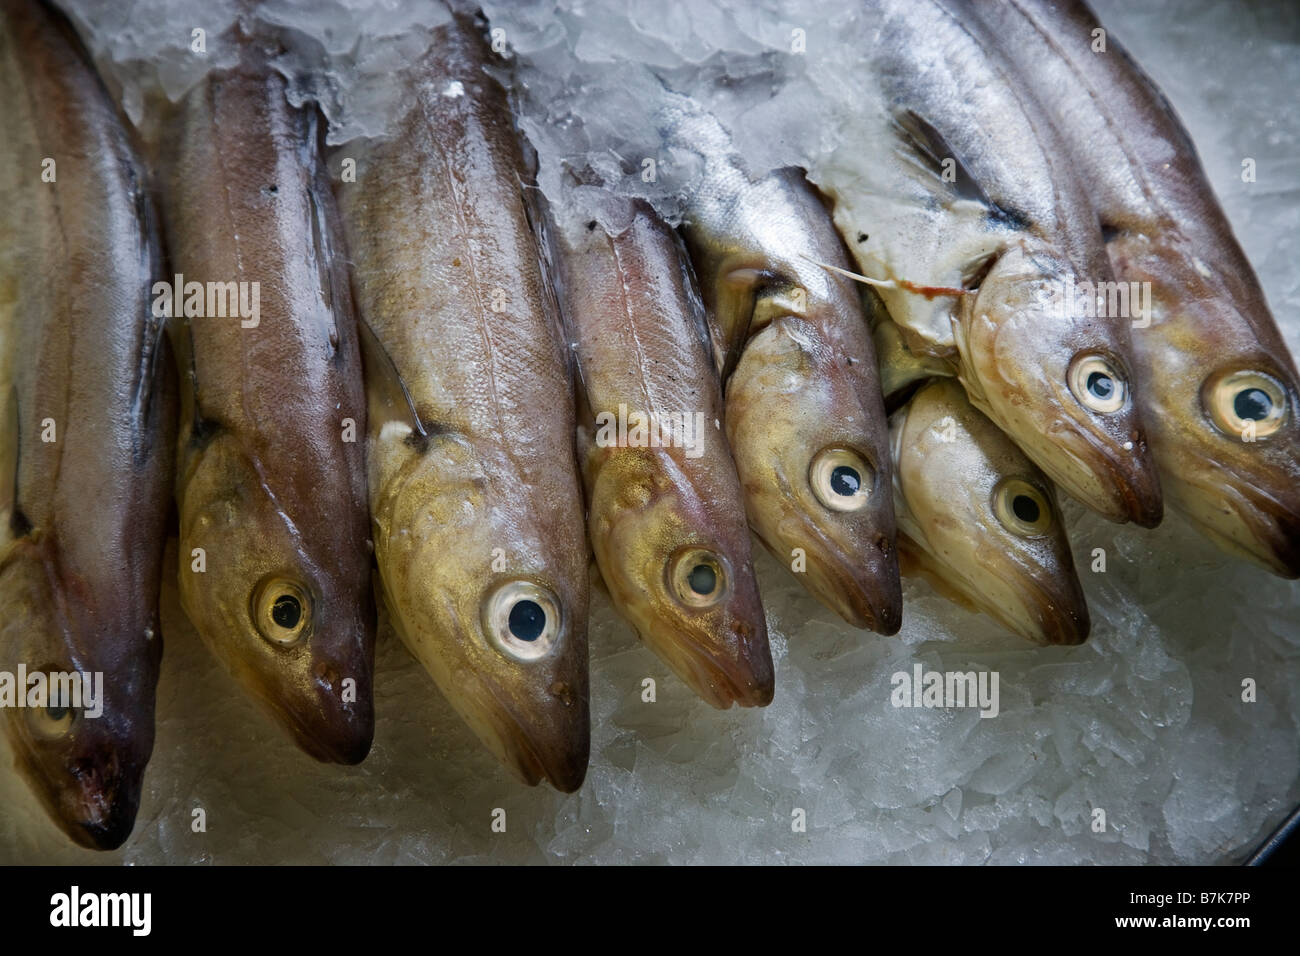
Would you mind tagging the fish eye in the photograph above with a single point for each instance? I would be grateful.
(522, 620)
(282, 611)
(1097, 383)
(841, 479)
(1023, 508)
(698, 578)
(52, 722)
(1244, 401)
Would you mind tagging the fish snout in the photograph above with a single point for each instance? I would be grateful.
(862, 587)
(101, 805)
(560, 757)
(1118, 479)
(740, 672)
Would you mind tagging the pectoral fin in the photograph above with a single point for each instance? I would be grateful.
(388, 399)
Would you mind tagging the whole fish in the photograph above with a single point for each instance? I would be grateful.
(1218, 387)
(951, 191)
(979, 521)
(665, 512)
(804, 415)
(271, 483)
(86, 424)
(475, 499)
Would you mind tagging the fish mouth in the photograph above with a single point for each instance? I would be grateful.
(519, 748)
(1272, 530)
(1051, 614)
(1119, 489)
(867, 594)
(324, 731)
(98, 807)
(748, 680)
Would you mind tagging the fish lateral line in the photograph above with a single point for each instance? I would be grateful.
(929, 291)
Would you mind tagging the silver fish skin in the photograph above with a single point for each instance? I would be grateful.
(86, 423)
(954, 184)
(979, 521)
(476, 503)
(274, 553)
(1212, 340)
(803, 404)
(667, 524)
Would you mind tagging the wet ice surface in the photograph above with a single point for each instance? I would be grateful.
(1145, 721)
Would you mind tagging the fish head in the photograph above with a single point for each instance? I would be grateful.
(282, 599)
(82, 749)
(815, 476)
(677, 560)
(1223, 400)
(1037, 361)
(489, 590)
(978, 518)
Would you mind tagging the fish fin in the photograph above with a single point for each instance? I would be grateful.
(930, 147)
(388, 398)
(900, 368)
(737, 293)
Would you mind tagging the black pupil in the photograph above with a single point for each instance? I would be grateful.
(527, 620)
(1026, 508)
(56, 713)
(845, 481)
(1101, 385)
(1252, 404)
(286, 611)
(703, 579)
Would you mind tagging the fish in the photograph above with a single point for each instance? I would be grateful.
(804, 414)
(1219, 386)
(979, 521)
(949, 189)
(476, 504)
(87, 418)
(274, 549)
(667, 524)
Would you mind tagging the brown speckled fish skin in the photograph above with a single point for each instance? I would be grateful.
(639, 335)
(944, 83)
(1210, 317)
(268, 484)
(951, 464)
(448, 275)
(803, 377)
(82, 533)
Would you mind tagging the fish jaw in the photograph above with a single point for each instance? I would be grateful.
(1018, 344)
(648, 512)
(951, 464)
(532, 714)
(319, 686)
(791, 398)
(89, 776)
